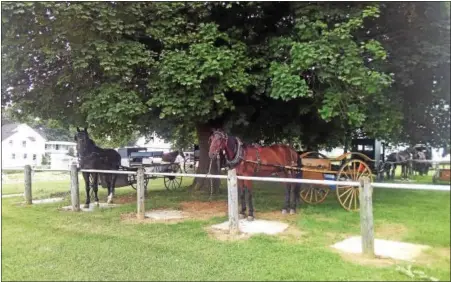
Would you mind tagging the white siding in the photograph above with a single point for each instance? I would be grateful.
(18, 150)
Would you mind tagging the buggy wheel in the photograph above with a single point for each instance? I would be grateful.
(132, 181)
(314, 193)
(348, 196)
(189, 167)
(173, 182)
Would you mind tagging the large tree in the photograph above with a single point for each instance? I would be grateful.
(269, 71)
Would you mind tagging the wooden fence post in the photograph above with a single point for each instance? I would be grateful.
(74, 188)
(366, 216)
(140, 192)
(27, 180)
(233, 201)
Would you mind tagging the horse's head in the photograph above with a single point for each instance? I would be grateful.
(82, 138)
(218, 142)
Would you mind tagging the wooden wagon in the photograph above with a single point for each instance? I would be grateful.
(347, 167)
(442, 173)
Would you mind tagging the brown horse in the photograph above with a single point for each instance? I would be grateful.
(254, 160)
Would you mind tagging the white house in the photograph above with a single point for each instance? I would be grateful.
(59, 153)
(155, 144)
(21, 145)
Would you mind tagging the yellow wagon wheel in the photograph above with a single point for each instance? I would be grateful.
(352, 171)
(314, 193)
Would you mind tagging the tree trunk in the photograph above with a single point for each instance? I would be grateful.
(201, 183)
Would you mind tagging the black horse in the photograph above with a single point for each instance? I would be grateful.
(421, 167)
(403, 158)
(93, 157)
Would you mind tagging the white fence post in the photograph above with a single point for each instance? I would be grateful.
(27, 180)
(233, 201)
(74, 188)
(366, 217)
(140, 189)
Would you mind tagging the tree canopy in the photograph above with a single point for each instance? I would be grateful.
(269, 71)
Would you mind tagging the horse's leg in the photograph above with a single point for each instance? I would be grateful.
(113, 182)
(110, 188)
(248, 185)
(242, 191)
(287, 199)
(297, 195)
(404, 171)
(293, 199)
(87, 187)
(95, 187)
(393, 169)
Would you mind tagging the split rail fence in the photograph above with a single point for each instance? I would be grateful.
(365, 189)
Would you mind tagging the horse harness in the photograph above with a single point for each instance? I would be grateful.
(239, 156)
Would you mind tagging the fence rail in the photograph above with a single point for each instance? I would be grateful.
(365, 188)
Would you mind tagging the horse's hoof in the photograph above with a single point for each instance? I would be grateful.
(86, 206)
(284, 211)
(242, 216)
(250, 218)
(292, 211)
(97, 204)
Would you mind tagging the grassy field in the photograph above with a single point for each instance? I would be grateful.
(40, 242)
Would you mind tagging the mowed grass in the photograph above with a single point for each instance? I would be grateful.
(39, 242)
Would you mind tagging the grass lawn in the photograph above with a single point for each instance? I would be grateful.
(39, 242)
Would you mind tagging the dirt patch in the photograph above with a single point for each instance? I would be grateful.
(190, 210)
(126, 199)
(204, 210)
(390, 231)
(433, 256)
(131, 218)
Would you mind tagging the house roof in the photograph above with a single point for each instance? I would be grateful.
(8, 130)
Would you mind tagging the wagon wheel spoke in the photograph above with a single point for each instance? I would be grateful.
(349, 194)
(347, 175)
(348, 188)
(306, 191)
(311, 193)
(350, 200)
(175, 183)
(354, 171)
(316, 195)
(356, 191)
(179, 182)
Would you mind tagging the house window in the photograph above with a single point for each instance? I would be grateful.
(57, 147)
(13, 156)
(24, 144)
(10, 142)
(47, 146)
(369, 148)
(24, 156)
(34, 157)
